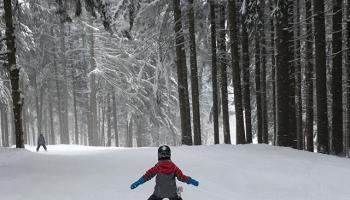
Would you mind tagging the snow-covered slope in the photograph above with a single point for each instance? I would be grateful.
(225, 172)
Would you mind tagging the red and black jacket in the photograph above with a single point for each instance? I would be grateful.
(165, 172)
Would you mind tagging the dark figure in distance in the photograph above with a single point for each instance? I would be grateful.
(166, 171)
(41, 142)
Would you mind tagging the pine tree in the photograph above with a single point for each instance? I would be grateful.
(14, 72)
(282, 75)
(309, 122)
(246, 74)
(214, 72)
(336, 89)
(223, 66)
(236, 73)
(321, 79)
(182, 76)
(194, 77)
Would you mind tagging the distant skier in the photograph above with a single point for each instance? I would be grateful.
(41, 142)
(166, 171)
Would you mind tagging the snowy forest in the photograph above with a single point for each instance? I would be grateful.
(135, 73)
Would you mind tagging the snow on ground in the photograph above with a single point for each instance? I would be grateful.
(225, 172)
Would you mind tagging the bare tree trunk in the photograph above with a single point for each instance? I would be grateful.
(348, 80)
(214, 72)
(103, 116)
(336, 89)
(4, 126)
(65, 124)
(129, 127)
(109, 139)
(236, 73)
(76, 131)
(52, 129)
(246, 77)
(309, 71)
(115, 120)
(14, 74)
(93, 105)
(273, 80)
(290, 57)
(259, 117)
(282, 76)
(194, 77)
(182, 76)
(321, 77)
(223, 65)
(265, 138)
(298, 107)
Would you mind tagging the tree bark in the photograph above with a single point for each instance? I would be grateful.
(115, 119)
(347, 142)
(292, 85)
(223, 65)
(259, 117)
(236, 73)
(93, 104)
(264, 118)
(194, 77)
(246, 78)
(182, 76)
(336, 88)
(109, 139)
(309, 69)
(52, 129)
(4, 126)
(76, 130)
(282, 76)
(321, 78)
(14, 71)
(298, 103)
(214, 72)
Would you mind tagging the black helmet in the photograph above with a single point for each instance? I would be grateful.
(164, 152)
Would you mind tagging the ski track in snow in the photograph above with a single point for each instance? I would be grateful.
(225, 172)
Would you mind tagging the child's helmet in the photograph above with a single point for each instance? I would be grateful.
(164, 152)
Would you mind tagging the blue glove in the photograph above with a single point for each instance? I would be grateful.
(192, 182)
(137, 183)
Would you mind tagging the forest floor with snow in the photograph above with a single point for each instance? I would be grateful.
(225, 172)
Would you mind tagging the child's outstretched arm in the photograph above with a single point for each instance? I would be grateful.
(146, 177)
(186, 179)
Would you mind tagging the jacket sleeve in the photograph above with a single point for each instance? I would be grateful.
(151, 173)
(180, 176)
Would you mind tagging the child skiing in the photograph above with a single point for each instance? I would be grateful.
(41, 142)
(166, 171)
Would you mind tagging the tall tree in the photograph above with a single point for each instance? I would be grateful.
(282, 76)
(194, 77)
(214, 73)
(14, 72)
(309, 68)
(291, 71)
(236, 73)
(115, 119)
(321, 79)
(298, 100)
(182, 76)
(347, 80)
(259, 117)
(246, 73)
(263, 59)
(223, 67)
(336, 88)
(93, 103)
